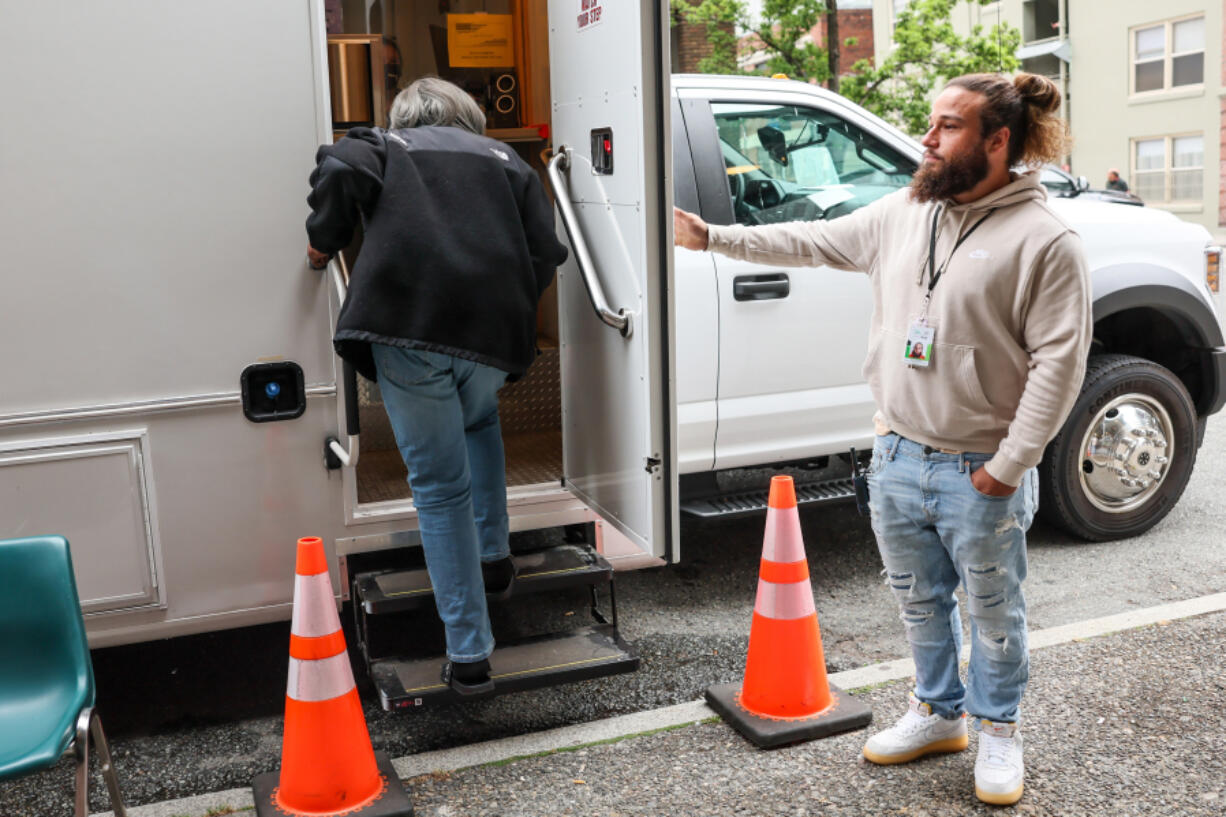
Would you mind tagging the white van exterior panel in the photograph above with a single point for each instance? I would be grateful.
(106, 511)
(155, 200)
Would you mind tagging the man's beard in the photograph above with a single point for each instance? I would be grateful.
(941, 180)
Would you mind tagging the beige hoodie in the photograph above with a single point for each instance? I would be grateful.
(1011, 314)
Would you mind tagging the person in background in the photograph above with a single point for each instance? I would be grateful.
(458, 246)
(1115, 182)
(973, 268)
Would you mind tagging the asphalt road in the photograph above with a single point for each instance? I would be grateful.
(202, 713)
(1113, 725)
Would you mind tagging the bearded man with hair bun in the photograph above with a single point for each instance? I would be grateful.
(972, 262)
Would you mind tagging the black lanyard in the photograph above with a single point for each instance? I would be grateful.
(934, 275)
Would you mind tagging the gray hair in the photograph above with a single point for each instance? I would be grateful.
(434, 101)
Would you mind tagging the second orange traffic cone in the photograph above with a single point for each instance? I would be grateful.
(785, 696)
(328, 766)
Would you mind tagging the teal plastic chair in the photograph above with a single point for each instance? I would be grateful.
(46, 676)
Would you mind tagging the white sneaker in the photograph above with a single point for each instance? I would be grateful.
(917, 733)
(999, 769)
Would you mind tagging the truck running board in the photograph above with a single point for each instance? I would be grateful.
(543, 571)
(747, 502)
(548, 660)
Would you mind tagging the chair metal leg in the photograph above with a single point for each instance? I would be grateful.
(80, 750)
(108, 768)
(88, 724)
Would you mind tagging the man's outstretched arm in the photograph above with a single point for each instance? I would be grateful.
(848, 243)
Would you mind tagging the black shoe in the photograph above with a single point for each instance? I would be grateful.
(499, 578)
(466, 678)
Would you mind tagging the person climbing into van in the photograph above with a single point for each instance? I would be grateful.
(458, 247)
(972, 268)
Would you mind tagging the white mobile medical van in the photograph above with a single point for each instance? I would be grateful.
(171, 401)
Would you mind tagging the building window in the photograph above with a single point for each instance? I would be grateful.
(1040, 20)
(1169, 169)
(1168, 55)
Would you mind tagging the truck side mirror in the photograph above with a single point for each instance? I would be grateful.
(1083, 184)
(775, 143)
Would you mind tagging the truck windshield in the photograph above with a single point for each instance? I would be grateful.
(786, 163)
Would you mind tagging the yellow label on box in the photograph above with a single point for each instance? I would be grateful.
(480, 41)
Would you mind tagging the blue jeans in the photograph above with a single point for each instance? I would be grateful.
(444, 413)
(934, 531)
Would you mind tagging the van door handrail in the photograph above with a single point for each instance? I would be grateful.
(619, 320)
(346, 455)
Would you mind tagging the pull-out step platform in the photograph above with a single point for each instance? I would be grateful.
(747, 502)
(578, 655)
(405, 663)
(542, 571)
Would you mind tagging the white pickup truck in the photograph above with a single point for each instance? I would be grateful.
(769, 359)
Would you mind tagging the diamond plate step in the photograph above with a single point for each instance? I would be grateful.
(747, 502)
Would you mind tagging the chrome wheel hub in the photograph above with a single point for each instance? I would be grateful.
(1126, 453)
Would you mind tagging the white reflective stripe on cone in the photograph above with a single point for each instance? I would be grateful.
(782, 541)
(314, 607)
(784, 601)
(319, 680)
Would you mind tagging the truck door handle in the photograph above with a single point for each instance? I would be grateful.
(619, 320)
(761, 287)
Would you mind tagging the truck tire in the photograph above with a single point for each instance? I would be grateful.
(1124, 456)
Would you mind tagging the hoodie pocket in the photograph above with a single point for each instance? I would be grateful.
(944, 400)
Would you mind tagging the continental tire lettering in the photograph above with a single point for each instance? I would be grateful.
(1108, 396)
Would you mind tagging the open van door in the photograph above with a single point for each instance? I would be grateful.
(611, 177)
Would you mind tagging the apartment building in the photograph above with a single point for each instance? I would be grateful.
(1144, 87)
(1147, 84)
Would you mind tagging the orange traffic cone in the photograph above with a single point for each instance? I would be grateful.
(328, 766)
(785, 696)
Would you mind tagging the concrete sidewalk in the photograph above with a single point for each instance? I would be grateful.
(1126, 723)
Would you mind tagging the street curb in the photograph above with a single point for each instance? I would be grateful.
(678, 715)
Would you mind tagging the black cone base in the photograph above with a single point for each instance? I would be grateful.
(392, 802)
(844, 714)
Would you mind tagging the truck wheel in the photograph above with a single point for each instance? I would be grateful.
(1125, 454)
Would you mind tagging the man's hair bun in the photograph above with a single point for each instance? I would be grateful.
(1038, 91)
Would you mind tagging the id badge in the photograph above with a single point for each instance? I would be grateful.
(918, 351)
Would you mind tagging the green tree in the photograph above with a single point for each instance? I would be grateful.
(927, 51)
(784, 29)
(721, 17)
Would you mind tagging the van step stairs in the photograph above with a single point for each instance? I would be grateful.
(542, 571)
(541, 661)
(747, 502)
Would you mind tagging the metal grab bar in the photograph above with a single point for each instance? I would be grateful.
(619, 320)
(344, 455)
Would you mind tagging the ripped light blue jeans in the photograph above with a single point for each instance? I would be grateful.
(444, 413)
(936, 531)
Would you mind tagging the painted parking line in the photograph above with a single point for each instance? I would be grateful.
(569, 737)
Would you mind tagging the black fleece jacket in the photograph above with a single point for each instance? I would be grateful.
(458, 244)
